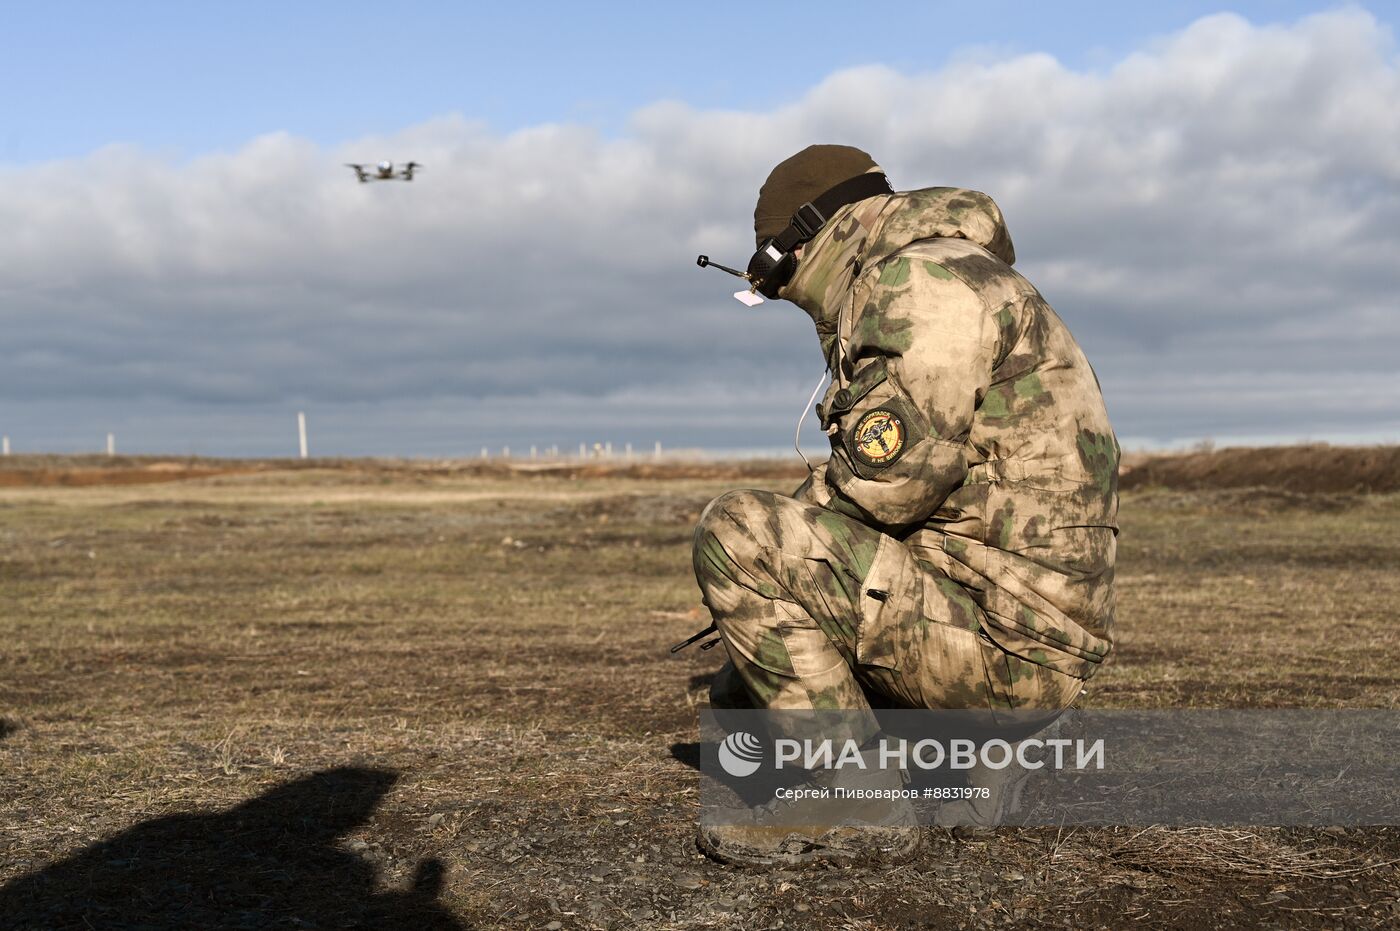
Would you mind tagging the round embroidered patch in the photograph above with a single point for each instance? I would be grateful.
(878, 438)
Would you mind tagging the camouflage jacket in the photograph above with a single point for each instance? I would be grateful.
(964, 419)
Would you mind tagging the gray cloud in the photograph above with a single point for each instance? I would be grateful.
(1217, 216)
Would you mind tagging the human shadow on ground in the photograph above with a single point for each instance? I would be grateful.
(686, 752)
(271, 861)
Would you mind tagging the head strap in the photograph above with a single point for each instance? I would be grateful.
(809, 218)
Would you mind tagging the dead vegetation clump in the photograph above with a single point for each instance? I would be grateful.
(1202, 852)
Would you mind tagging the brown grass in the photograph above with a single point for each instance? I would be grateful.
(493, 646)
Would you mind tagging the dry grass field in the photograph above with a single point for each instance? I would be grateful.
(391, 695)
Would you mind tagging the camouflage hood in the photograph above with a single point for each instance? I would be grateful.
(941, 213)
(863, 234)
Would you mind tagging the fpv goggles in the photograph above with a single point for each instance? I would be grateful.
(773, 263)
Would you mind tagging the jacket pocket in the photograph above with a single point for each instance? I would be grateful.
(872, 422)
(891, 604)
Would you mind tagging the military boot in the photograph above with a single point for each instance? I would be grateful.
(853, 831)
(976, 817)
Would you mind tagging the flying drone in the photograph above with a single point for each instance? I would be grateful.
(384, 171)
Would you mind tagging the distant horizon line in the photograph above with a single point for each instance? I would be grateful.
(622, 457)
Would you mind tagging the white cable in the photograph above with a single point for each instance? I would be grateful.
(797, 438)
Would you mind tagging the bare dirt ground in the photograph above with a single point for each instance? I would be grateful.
(394, 695)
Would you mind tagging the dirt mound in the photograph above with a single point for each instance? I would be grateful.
(116, 475)
(699, 469)
(86, 470)
(1311, 468)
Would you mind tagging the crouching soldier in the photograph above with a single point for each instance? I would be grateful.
(956, 550)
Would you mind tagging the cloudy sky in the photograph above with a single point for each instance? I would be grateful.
(1210, 198)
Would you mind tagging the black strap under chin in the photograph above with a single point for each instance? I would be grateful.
(812, 216)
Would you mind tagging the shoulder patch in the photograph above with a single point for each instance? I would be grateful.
(878, 438)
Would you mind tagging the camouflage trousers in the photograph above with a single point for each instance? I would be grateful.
(820, 611)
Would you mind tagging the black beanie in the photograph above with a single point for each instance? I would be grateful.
(801, 178)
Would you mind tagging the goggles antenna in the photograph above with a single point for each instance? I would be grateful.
(704, 261)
